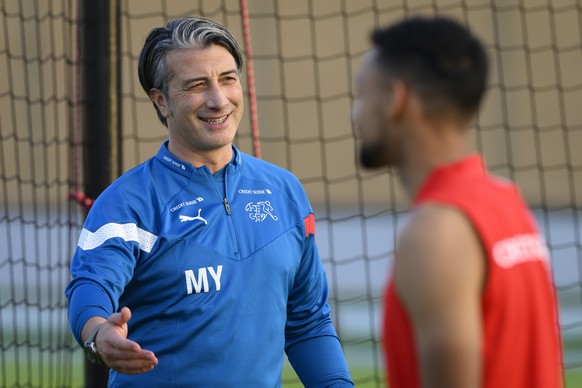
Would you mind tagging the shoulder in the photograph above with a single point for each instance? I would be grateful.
(437, 245)
(282, 183)
(265, 167)
(132, 181)
(271, 174)
(130, 195)
(433, 224)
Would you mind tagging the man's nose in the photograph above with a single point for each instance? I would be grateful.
(216, 98)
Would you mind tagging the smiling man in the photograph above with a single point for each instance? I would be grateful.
(199, 267)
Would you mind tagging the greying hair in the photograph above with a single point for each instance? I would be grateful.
(178, 34)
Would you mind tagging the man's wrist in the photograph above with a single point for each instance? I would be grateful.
(90, 346)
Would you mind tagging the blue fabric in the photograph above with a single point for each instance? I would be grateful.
(88, 300)
(218, 296)
(319, 362)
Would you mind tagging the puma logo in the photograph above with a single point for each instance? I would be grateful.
(184, 218)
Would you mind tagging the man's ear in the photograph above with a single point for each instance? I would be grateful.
(397, 100)
(160, 100)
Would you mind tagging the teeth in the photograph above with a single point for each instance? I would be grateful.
(216, 121)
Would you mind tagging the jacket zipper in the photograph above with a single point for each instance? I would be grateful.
(227, 206)
(229, 214)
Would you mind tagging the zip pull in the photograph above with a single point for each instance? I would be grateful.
(227, 206)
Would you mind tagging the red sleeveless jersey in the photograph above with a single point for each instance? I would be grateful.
(521, 342)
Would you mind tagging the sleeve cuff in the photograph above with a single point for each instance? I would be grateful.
(87, 300)
(320, 362)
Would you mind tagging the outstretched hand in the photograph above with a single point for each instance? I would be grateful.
(120, 353)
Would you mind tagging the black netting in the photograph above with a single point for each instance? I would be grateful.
(305, 54)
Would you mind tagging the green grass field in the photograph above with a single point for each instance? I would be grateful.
(65, 369)
(366, 378)
(42, 377)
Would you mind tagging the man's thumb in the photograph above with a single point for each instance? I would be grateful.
(121, 317)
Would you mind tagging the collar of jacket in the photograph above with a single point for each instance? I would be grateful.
(178, 165)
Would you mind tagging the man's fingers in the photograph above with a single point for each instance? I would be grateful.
(121, 354)
(128, 357)
(133, 363)
(125, 347)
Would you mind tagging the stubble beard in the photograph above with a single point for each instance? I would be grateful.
(373, 155)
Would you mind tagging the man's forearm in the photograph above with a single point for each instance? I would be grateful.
(320, 362)
(86, 302)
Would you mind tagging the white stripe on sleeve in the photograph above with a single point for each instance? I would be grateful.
(129, 232)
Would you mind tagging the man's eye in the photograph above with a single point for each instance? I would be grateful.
(197, 86)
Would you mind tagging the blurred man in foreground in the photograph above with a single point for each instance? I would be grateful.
(470, 302)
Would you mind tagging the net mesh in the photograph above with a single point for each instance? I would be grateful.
(37, 224)
(305, 53)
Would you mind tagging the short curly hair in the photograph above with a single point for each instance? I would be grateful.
(438, 58)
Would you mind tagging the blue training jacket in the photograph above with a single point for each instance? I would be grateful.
(221, 274)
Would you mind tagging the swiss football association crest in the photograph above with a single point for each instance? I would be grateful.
(259, 211)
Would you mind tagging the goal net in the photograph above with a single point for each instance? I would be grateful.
(305, 53)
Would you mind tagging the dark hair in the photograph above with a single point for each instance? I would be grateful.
(439, 58)
(182, 33)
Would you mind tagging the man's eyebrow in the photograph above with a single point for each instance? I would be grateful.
(190, 80)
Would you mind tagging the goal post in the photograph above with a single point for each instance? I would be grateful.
(100, 85)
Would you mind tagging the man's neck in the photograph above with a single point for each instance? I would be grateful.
(214, 160)
(420, 161)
